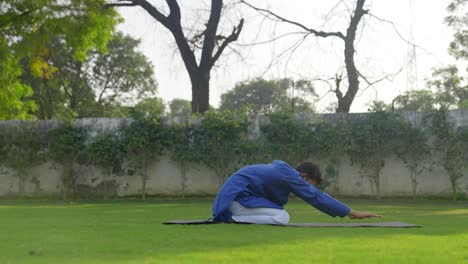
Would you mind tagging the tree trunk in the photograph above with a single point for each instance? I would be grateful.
(454, 175)
(377, 182)
(344, 102)
(414, 182)
(106, 185)
(200, 91)
(377, 186)
(144, 179)
(337, 176)
(183, 171)
(199, 72)
(21, 185)
(453, 182)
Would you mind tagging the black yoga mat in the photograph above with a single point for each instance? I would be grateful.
(356, 224)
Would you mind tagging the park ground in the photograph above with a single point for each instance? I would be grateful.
(126, 231)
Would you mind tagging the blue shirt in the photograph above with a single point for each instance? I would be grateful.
(269, 185)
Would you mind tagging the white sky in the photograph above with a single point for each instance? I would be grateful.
(380, 50)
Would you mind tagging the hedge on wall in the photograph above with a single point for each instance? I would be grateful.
(224, 142)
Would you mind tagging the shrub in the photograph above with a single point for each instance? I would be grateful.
(106, 152)
(68, 149)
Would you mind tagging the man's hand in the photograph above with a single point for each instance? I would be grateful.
(361, 215)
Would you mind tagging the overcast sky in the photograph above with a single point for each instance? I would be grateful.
(380, 49)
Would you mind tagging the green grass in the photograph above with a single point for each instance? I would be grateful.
(131, 232)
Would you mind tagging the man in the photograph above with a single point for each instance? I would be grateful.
(257, 194)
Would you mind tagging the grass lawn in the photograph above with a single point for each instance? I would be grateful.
(131, 232)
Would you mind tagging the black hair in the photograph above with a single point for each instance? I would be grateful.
(311, 169)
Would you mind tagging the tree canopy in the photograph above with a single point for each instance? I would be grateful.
(27, 27)
(268, 96)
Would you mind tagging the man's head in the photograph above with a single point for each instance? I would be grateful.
(310, 171)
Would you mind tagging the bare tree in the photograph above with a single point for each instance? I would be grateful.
(211, 48)
(344, 99)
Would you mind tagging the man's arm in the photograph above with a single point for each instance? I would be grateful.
(323, 201)
(317, 198)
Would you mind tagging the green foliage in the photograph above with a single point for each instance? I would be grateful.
(331, 141)
(13, 94)
(451, 144)
(182, 144)
(452, 89)
(373, 139)
(180, 109)
(451, 93)
(24, 146)
(106, 152)
(27, 27)
(219, 139)
(122, 75)
(99, 86)
(149, 109)
(268, 96)
(458, 20)
(288, 138)
(67, 148)
(420, 100)
(142, 141)
(414, 150)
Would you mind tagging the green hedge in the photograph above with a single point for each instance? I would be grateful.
(224, 142)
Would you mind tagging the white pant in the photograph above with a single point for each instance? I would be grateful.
(258, 215)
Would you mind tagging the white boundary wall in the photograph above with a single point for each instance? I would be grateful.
(166, 177)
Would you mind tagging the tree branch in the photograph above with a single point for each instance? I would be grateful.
(317, 33)
(153, 11)
(399, 33)
(209, 41)
(121, 3)
(231, 38)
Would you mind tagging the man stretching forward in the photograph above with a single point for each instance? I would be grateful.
(257, 193)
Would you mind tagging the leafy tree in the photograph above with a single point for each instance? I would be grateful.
(420, 100)
(67, 148)
(180, 109)
(451, 91)
(414, 150)
(13, 94)
(25, 147)
(268, 96)
(288, 138)
(330, 142)
(149, 109)
(377, 106)
(143, 142)
(458, 20)
(122, 75)
(99, 86)
(219, 140)
(371, 142)
(452, 144)
(27, 27)
(105, 151)
(182, 147)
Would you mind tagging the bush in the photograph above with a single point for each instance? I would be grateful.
(68, 149)
(106, 152)
(142, 142)
(372, 139)
(23, 147)
(218, 141)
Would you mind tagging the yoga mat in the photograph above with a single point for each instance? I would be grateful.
(356, 224)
